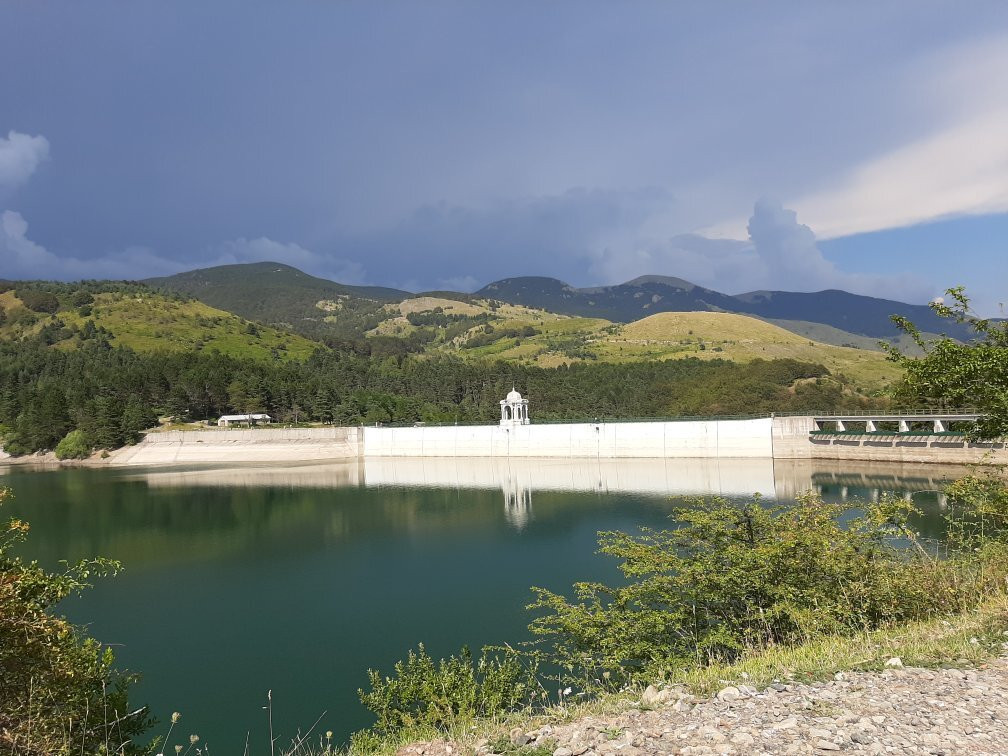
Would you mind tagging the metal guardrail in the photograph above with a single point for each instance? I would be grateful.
(828, 416)
(858, 416)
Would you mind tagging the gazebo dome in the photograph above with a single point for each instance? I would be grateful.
(514, 409)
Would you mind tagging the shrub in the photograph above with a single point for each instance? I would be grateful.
(81, 299)
(731, 578)
(424, 693)
(39, 301)
(73, 446)
(60, 692)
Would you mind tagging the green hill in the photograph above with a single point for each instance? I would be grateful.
(277, 294)
(280, 295)
(521, 334)
(624, 303)
(739, 338)
(145, 321)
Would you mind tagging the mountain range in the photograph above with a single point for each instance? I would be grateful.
(280, 294)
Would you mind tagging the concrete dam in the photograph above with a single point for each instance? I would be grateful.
(769, 438)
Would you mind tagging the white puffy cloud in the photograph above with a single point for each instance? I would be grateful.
(950, 160)
(961, 170)
(22, 258)
(459, 283)
(791, 259)
(264, 249)
(20, 155)
(17, 252)
(781, 254)
(723, 264)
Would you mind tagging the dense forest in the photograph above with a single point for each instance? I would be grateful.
(109, 394)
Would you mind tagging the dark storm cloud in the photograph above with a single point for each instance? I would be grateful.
(444, 143)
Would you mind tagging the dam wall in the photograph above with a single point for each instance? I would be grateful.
(676, 439)
(907, 449)
(243, 445)
(770, 438)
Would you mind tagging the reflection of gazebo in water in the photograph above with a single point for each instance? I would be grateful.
(517, 494)
(517, 502)
(514, 409)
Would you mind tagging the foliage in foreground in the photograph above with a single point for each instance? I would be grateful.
(954, 375)
(733, 578)
(423, 692)
(59, 690)
(728, 582)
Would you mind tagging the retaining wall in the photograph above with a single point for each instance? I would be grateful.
(683, 439)
(249, 445)
(784, 438)
(897, 448)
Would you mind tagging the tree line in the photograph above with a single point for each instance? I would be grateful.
(111, 394)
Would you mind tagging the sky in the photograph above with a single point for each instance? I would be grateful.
(742, 146)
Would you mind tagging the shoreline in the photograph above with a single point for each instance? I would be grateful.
(768, 438)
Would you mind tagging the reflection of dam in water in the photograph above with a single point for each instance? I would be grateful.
(519, 479)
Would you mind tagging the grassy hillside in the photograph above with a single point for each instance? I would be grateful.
(283, 296)
(827, 334)
(473, 328)
(149, 322)
(648, 295)
(521, 334)
(738, 338)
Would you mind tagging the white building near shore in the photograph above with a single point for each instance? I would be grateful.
(229, 420)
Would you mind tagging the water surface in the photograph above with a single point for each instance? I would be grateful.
(296, 579)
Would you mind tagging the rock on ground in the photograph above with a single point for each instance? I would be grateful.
(898, 710)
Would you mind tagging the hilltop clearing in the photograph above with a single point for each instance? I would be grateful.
(142, 320)
(277, 294)
(528, 336)
(283, 296)
(739, 338)
(647, 295)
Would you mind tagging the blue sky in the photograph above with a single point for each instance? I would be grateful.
(446, 144)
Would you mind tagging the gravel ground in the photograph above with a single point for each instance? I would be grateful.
(899, 710)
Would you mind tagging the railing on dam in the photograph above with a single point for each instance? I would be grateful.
(902, 423)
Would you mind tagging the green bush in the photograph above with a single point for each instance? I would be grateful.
(60, 693)
(734, 578)
(73, 446)
(39, 301)
(427, 694)
(81, 299)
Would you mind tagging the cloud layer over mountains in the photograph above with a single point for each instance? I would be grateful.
(439, 145)
(593, 229)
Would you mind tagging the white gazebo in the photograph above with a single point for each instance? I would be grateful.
(514, 409)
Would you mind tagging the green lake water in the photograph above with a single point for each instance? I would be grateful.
(239, 581)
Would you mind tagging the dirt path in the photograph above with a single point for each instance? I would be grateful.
(901, 710)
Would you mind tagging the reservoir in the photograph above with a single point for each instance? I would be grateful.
(295, 579)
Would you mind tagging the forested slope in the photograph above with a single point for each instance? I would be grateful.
(110, 394)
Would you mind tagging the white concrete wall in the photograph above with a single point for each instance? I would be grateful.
(791, 437)
(683, 439)
(919, 449)
(249, 445)
(764, 438)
